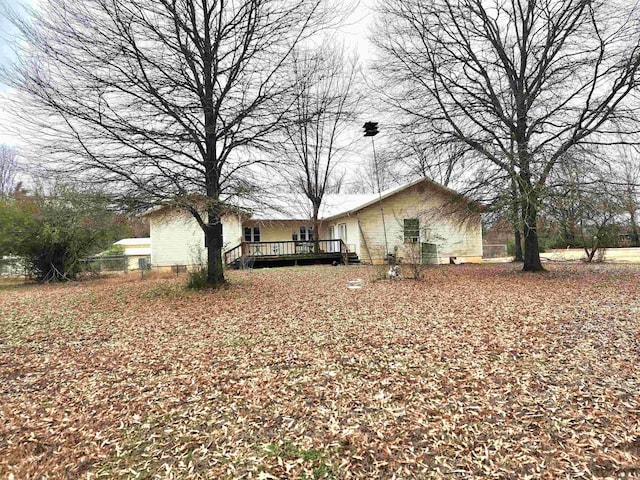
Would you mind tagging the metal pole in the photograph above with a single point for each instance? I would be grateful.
(384, 226)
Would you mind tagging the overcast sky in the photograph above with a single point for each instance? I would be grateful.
(7, 34)
(354, 34)
(7, 31)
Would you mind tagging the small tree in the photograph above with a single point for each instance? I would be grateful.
(586, 208)
(53, 233)
(412, 255)
(8, 169)
(631, 192)
(598, 227)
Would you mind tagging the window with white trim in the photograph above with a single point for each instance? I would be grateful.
(252, 234)
(306, 234)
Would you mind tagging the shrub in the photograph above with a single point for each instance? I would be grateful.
(114, 250)
(54, 232)
(197, 279)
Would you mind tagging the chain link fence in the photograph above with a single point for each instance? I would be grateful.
(105, 264)
(13, 266)
(494, 251)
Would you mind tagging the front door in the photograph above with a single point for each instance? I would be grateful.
(333, 246)
(342, 232)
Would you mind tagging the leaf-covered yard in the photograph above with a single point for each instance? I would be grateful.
(479, 371)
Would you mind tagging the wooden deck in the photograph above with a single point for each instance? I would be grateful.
(256, 254)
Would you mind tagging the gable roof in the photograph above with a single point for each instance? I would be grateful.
(125, 242)
(293, 206)
(281, 206)
(374, 198)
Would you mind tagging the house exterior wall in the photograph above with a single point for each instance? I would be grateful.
(454, 239)
(134, 250)
(132, 261)
(231, 231)
(179, 240)
(353, 233)
(278, 230)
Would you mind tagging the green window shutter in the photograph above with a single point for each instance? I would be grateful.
(411, 230)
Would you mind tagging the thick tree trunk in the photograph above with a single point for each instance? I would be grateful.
(528, 202)
(532, 261)
(316, 228)
(515, 214)
(215, 272)
(213, 229)
(316, 222)
(518, 246)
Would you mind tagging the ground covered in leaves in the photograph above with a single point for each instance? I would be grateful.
(478, 371)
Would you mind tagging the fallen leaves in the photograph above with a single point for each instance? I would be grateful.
(474, 372)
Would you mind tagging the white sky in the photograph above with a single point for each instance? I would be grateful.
(7, 33)
(354, 33)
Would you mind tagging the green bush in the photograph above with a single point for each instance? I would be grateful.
(114, 251)
(197, 279)
(54, 232)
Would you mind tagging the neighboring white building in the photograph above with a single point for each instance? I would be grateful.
(418, 219)
(135, 249)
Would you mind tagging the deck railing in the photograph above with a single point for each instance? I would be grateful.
(286, 249)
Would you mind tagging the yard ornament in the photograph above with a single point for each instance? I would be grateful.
(394, 272)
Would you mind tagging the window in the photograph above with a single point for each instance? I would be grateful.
(306, 234)
(251, 234)
(411, 230)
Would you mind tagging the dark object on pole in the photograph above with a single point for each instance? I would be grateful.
(370, 129)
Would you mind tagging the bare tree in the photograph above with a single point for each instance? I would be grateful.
(631, 192)
(379, 171)
(520, 82)
(8, 169)
(169, 102)
(585, 206)
(325, 105)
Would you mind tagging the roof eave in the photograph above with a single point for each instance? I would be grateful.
(398, 190)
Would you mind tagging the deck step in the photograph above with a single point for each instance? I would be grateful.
(353, 258)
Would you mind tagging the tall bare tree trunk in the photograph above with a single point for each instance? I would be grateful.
(516, 222)
(213, 232)
(517, 236)
(316, 227)
(532, 261)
